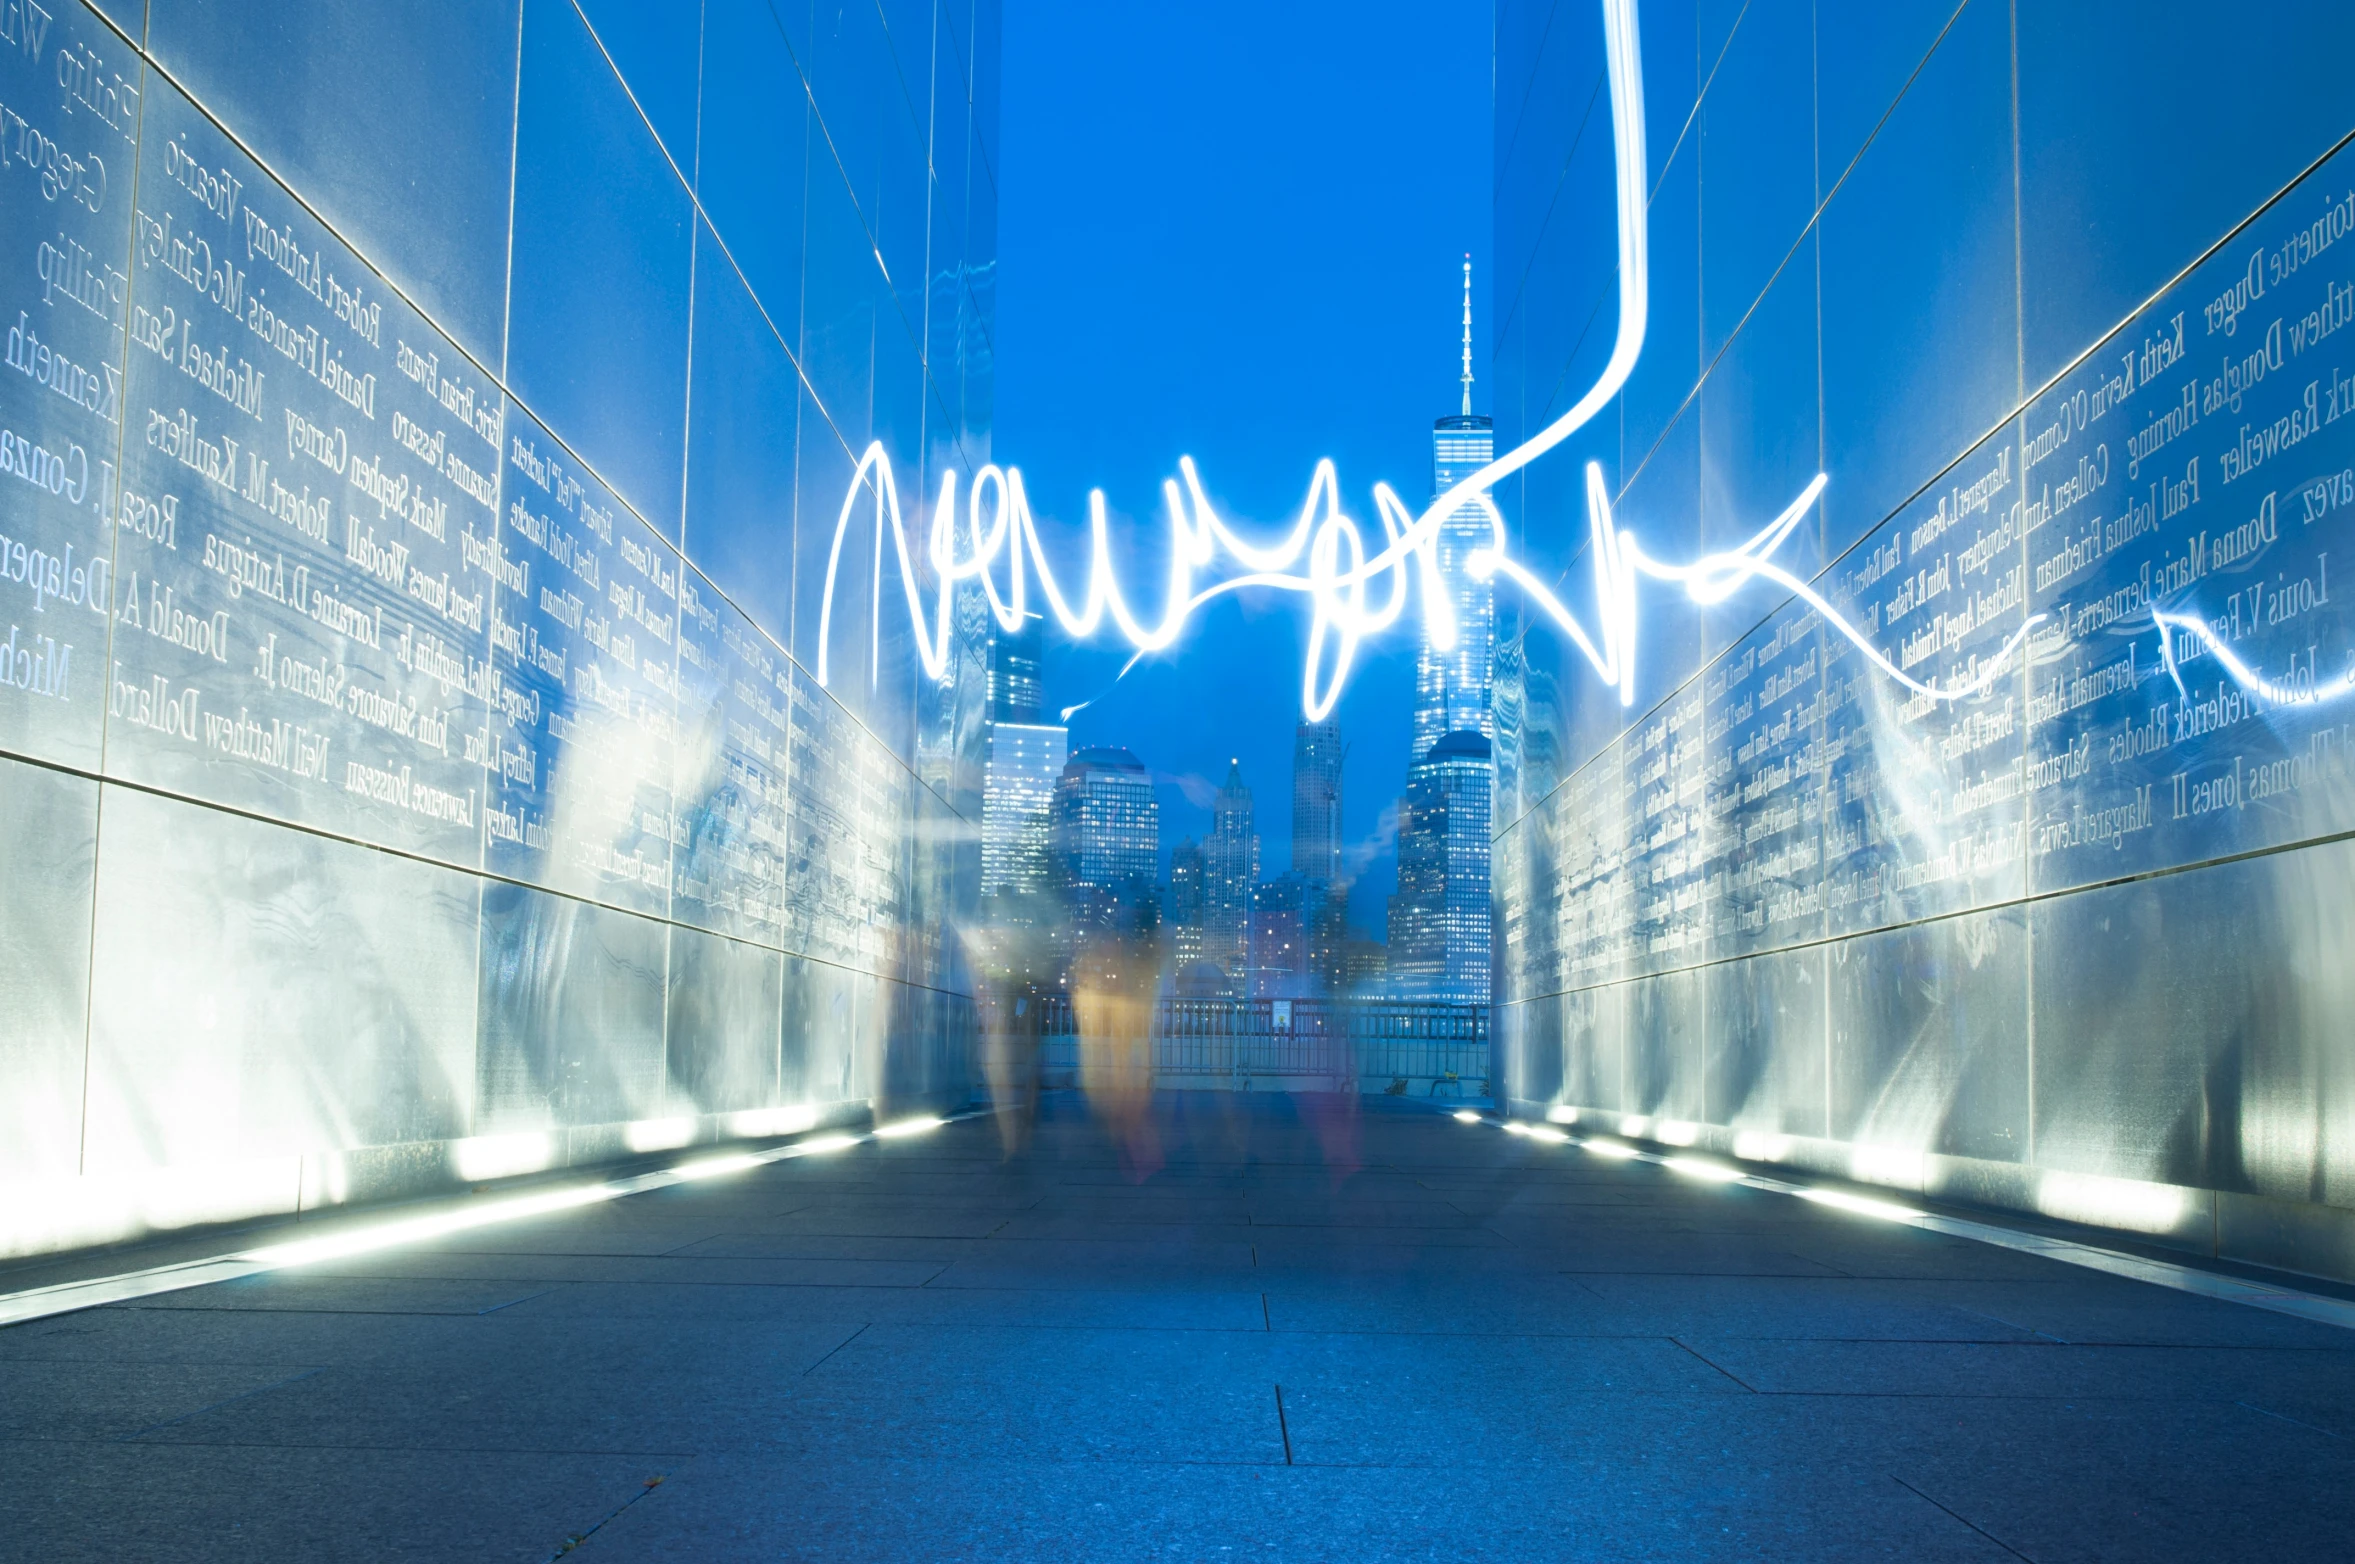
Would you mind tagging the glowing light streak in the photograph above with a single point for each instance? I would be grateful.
(1355, 591)
(908, 1127)
(2110, 1200)
(2311, 693)
(1859, 1205)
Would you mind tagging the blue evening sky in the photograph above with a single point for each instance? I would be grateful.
(1235, 231)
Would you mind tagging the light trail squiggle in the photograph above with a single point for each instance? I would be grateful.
(2313, 693)
(1353, 593)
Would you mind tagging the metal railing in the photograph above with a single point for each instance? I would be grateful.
(1401, 1047)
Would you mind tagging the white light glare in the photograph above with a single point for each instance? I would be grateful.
(1548, 1134)
(1560, 1114)
(1899, 1165)
(755, 1122)
(414, 1230)
(1612, 1148)
(1759, 1146)
(1635, 1126)
(719, 1167)
(1515, 1127)
(1714, 1172)
(1327, 555)
(2110, 1202)
(658, 1134)
(1841, 1200)
(1466, 1116)
(421, 1229)
(908, 1127)
(501, 1156)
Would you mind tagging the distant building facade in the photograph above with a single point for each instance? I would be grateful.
(1018, 788)
(1183, 905)
(1230, 868)
(1025, 757)
(1016, 693)
(1284, 917)
(1104, 834)
(1316, 801)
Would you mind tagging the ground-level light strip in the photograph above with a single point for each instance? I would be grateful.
(2317, 1307)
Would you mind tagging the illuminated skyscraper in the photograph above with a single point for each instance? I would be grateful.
(1014, 688)
(1451, 686)
(1316, 801)
(1182, 905)
(1104, 833)
(1440, 919)
(1025, 758)
(1230, 867)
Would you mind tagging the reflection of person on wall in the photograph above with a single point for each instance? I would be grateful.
(1012, 959)
(1115, 974)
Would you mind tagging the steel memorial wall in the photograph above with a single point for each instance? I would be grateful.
(421, 429)
(2079, 943)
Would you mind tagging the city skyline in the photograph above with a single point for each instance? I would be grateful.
(1232, 921)
(1351, 354)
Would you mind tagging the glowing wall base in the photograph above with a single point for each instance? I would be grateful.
(55, 1214)
(211, 1018)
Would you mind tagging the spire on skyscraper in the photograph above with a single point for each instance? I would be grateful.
(1452, 685)
(1467, 336)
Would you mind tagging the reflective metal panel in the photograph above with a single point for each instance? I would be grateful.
(2188, 486)
(48, 856)
(824, 1054)
(752, 157)
(572, 1013)
(407, 156)
(729, 771)
(300, 626)
(1595, 1047)
(2195, 1026)
(1920, 313)
(316, 624)
(721, 1028)
(1667, 1073)
(1767, 1043)
(597, 341)
(584, 633)
(843, 871)
(1969, 942)
(743, 444)
(259, 991)
(1929, 1038)
(71, 93)
(2147, 198)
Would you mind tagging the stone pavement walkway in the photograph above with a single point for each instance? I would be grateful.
(1271, 1333)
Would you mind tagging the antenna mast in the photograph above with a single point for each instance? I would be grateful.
(1467, 336)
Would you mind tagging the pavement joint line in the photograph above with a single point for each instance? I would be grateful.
(2316, 1308)
(40, 1303)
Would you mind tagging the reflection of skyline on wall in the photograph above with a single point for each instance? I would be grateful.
(348, 582)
